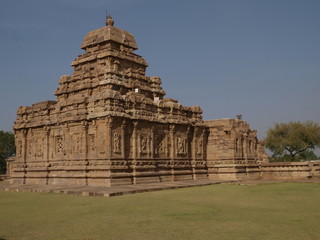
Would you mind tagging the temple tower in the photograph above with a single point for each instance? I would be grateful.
(111, 124)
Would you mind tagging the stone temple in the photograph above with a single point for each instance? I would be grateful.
(111, 124)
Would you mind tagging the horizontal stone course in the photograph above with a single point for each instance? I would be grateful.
(106, 191)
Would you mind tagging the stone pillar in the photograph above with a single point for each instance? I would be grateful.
(138, 145)
(194, 153)
(172, 149)
(167, 141)
(204, 149)
(109, 137)
(204, 144)
(95, 138)
(24, 145)
(134, 151)
(242, 149)
(149, 146)
(123, 139)
(67, 148)
(152, 142)
(236, 147)
(245, 149)
(46, 152)
(85, 148)
(85, 140)
(188, 150)
(24, 153)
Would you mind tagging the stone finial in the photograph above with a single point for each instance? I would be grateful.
(109, 21)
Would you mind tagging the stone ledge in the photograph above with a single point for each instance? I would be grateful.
(107, 191)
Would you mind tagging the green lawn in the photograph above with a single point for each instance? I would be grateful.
(271, 211)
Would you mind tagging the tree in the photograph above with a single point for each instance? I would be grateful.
(7, 148)
(293, 138)
(307, 155)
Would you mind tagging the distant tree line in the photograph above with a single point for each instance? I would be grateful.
(7, 149)
(293, 141)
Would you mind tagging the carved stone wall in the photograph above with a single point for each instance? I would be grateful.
(128, 152)
(234, 152)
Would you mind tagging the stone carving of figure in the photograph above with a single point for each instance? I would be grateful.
(199, 147)
(223, 145)
(76, 143)
(181, 148)
(19, 149)
(39, 147)
(116, 142)
(143, 143)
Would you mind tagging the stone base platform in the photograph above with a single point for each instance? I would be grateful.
(107, 191)
(138, 188)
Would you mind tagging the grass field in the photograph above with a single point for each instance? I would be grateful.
(271, 211)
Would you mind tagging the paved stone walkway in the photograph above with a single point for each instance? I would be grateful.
(106, 191)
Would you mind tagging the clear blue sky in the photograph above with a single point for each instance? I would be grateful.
(258, 58)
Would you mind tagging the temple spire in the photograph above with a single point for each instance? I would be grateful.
(109, 21)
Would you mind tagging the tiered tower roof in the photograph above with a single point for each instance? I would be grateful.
(109, 79)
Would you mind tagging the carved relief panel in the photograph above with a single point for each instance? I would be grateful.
(181, 146)
(159, 148)
(102, 142)
(116, 143)
(92, 143)
(222, 145)
(199, 146)
(143, 143)
(39, 147)
(19, 149)
(76, 143)
(161, 143)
